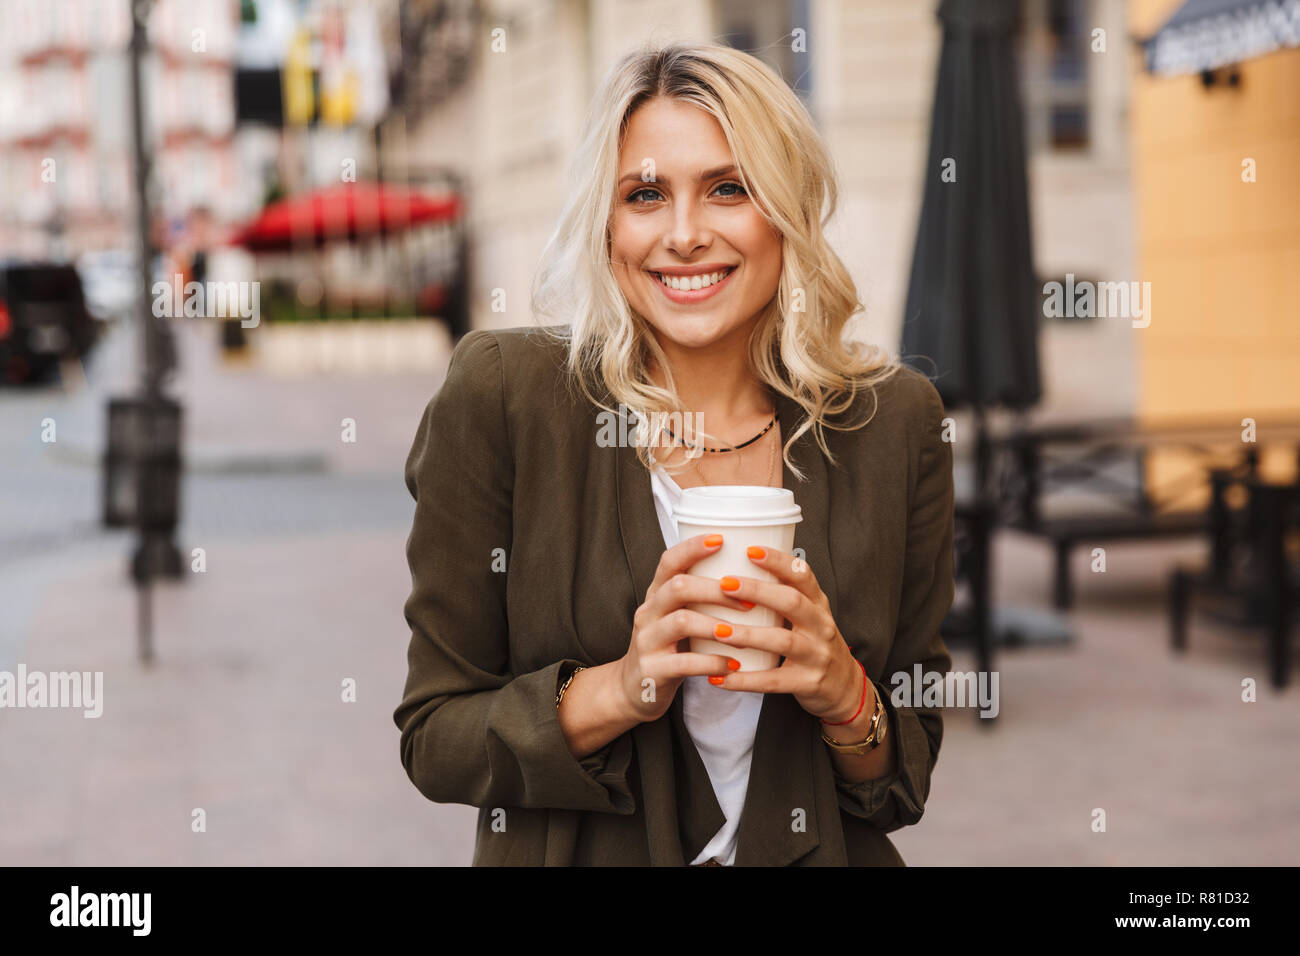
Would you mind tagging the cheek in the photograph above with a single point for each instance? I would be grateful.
(762, 241)
(765, 254)
(627, 249)
(626, 256)
(628, 229)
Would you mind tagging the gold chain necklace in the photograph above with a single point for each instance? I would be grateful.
(771, 464)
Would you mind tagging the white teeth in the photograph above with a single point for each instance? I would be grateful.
(691, 283)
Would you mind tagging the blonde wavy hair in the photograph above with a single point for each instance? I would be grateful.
(785, 166)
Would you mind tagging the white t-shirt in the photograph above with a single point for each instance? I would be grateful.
(722, 723)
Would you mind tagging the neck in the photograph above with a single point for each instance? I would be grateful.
(716, 384)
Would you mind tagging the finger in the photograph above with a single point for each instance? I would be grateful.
(690, 664)
(788, 569)
(778, 680)
(683, 556)
(683, 589)
(678, 625)
(790, 603)
(787, 643)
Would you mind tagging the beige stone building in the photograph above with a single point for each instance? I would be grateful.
(66, 178)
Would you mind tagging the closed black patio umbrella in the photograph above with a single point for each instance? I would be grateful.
(973, 301)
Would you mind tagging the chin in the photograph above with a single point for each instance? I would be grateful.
(694, 331)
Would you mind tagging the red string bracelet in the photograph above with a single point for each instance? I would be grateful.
(841, 723)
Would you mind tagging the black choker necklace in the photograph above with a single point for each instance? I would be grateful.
(719, 450)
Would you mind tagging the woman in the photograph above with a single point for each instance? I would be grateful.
(551, 683)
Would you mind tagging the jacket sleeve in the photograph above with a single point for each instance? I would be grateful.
(898, 799)
(472, 732)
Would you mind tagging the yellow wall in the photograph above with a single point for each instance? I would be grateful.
(1222, 255)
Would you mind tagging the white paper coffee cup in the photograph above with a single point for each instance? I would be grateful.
(745, 515)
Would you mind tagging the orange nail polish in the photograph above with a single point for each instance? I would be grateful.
(748, 605)
(730, 584)
(755, 552)
(715, 680)
(733, 664)
(722, 630)
(713, 541)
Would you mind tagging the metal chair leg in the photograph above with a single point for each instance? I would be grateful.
(1062, 596)
(1179, 593)
(1268, 504)
(1279, 650)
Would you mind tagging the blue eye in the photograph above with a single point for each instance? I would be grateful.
(632, 197)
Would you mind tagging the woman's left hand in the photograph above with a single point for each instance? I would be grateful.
(819, 669)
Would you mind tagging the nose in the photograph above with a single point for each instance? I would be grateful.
(688, 231)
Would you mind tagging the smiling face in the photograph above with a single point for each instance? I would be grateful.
(695, 226)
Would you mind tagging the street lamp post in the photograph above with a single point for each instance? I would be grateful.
(142, 457)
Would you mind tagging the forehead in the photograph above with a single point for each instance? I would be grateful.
(675, 134)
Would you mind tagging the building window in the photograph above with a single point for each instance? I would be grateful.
(1054, 63)
(765, 29)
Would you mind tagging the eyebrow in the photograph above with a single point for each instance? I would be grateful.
(707, 174)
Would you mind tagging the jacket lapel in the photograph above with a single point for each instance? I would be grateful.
(698, 816)
(643, 542)
(779, 821)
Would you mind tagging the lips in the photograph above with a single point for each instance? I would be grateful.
(694, 282)
(684, 294)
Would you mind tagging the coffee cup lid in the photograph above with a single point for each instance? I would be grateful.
(737, 504)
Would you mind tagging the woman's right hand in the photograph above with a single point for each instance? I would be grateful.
(654, 666)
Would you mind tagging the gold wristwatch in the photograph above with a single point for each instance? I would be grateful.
(879, 727)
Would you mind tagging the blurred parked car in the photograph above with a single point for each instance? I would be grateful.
(110, 279)
(43, 320)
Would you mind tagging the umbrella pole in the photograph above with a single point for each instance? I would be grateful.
(982, 454)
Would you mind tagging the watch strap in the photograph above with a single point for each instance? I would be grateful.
(876, 736)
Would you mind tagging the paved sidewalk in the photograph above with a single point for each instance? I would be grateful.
(239, 418)
(241, 715)
(1188, 774)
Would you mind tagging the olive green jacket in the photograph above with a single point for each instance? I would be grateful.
(532, 546)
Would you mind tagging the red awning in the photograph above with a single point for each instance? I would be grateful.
(348, 210)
